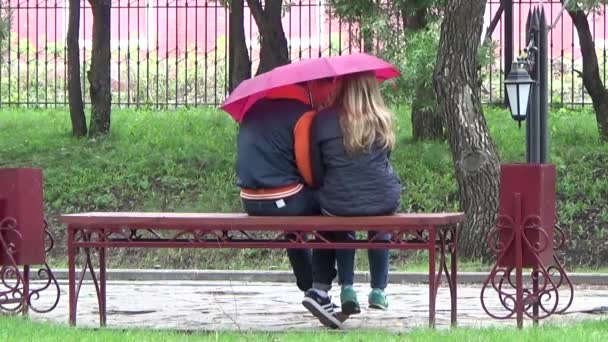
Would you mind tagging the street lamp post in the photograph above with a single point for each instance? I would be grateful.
(536, 64)
(526, 233)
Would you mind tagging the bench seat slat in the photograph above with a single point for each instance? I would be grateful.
(237, 220)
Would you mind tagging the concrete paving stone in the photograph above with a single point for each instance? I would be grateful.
(256, 306)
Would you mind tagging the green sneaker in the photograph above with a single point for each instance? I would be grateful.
(350, 305)
(377, 300)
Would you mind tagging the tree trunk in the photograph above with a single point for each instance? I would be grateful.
(591, 75)
(415, 21)
(368, 39)
(239, 64)
(79, 123)
(99, 73)
(426, 119)
(473, 152)
(273, 44)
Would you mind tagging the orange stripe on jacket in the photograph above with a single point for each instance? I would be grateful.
(271, 194)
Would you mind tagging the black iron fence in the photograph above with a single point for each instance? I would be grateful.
(565, 84)
(174, 52)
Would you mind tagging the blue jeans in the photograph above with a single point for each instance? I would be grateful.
(303, 203)
(324, 261)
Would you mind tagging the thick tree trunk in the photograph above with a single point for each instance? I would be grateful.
(591, 74)
(99, 73)
(79, 123)
(273, 44)
(239, 64)
(473, 151)
(426, 119)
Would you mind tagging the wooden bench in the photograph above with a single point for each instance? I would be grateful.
(436, 233)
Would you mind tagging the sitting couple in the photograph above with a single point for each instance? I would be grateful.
(350, 135)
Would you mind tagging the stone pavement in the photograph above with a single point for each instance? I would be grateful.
(232, 305)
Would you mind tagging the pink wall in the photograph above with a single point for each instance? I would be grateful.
(178, 28)
(187, 24)
(40, 26)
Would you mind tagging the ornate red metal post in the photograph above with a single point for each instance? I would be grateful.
(23, 236)
(524, 235)
(21, 190)
(523, 240)
(519, 296)
(26, 288)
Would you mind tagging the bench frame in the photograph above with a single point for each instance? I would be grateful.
(435, 233)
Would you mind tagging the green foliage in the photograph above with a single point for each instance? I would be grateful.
(163, 81)
(416, 55)
(353, 11)
(37, 79)
(5, 27)
(139, 77)
(414, 52)
(416, 58)
(381, 22)
(585, 5)
(13, 329)
(183, 160)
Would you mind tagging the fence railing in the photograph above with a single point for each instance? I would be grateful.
(174, 52)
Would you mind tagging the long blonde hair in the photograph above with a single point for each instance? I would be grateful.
(364, 118)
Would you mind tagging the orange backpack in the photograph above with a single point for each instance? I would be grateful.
(301, 137)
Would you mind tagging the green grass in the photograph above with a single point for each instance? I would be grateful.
(17, 329)
(183, 160)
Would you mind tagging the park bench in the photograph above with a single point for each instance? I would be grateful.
(436, 233)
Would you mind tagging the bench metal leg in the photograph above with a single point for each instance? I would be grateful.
(448, 248)
(432, 279)
(454, 276)
(74, 284)
(102, 287)
(71, 277)
(89, 265)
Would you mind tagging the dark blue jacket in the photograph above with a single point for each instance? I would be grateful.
(265, 144)
(360, 185)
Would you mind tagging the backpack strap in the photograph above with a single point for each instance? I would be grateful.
(301, 137)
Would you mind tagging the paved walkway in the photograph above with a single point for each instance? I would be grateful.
(223, 305)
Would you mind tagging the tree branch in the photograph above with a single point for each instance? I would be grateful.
(493, 25)
(255, 6)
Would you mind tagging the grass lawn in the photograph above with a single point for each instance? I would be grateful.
(183, 160)
(14, 329)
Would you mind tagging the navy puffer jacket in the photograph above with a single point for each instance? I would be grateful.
(265, 144)
(360, 185)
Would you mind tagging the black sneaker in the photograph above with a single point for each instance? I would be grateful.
(322, 308)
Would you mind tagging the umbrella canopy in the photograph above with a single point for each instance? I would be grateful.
(251, 90)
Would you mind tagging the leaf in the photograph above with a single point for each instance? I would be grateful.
(144, 184)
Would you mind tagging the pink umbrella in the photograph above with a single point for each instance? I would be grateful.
(250, 91)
